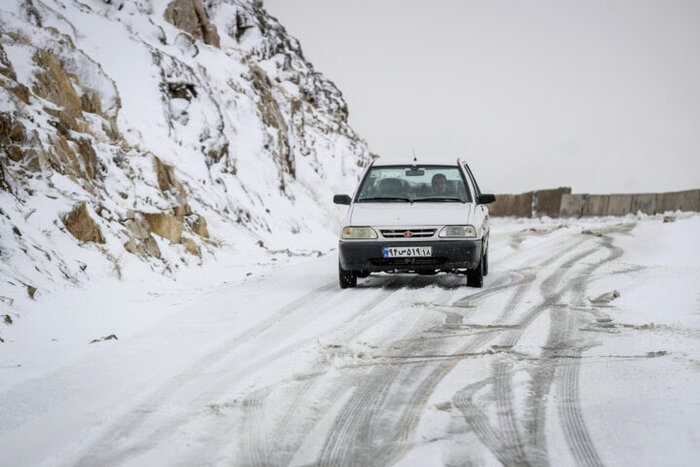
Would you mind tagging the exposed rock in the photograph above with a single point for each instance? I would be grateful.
(14, 152)
(20, 91)
(3, 183)
(272, 116)
(33, 160)
(165, 225)
(89, 157)
(151, 247)
(82, 226)
(191, 246)
(139, 227)
(189, 15)
(31, 290)
(182, 210)
(133, 247)
(198, 224)
(29, 13)
(111, 337)
(186, 44)
(166, 177)
(5, 65)
(63, 159)
(316, 89)
(215, 155)
(181, 90)
(146, 247)
(53, 84)
(90, 102)
(11, 130)
(8, 78)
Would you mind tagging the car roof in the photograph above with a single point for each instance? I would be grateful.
(432, 161)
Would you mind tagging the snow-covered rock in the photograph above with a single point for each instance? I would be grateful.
(171, 128)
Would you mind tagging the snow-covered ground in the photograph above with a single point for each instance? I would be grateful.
(582, 348)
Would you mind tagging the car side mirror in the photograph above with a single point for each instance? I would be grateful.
(342, 199)
(486, 199)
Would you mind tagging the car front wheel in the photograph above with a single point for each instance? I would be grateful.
(486, 263)
(475, 277)
(346, 279)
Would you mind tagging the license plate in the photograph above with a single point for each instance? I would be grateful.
(407, 251)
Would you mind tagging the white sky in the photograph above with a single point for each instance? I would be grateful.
(603, 96)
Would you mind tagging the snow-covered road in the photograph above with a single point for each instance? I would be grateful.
(581, 349)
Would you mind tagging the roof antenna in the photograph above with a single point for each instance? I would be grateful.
(415, 159)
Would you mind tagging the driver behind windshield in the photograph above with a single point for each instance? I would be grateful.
(439, 182)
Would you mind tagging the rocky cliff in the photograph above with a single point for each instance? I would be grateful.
(156, 132)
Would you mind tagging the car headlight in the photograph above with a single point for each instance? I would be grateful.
(458, 231)
(354, 233)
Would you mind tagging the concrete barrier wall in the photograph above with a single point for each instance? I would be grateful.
(541, 202)
(513, 205)
(681, 200)
(548, 202)
(644, 203)
(620, 205)
(571, 205)
(595, 205)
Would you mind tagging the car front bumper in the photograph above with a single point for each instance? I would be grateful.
(447, 255)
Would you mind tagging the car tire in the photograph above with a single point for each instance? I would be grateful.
(475, 277)
(486, 263)
(346, 279)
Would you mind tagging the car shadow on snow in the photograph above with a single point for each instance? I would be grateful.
(412, 281)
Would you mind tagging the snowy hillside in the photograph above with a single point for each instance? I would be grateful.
(139, 137)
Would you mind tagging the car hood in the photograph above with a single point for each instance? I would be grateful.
(407, 214)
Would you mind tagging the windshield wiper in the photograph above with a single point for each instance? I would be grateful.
(386, 198)
(440, 199)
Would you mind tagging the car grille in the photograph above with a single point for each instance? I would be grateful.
(408, 233)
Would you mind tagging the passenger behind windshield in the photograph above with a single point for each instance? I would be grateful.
(414, 184)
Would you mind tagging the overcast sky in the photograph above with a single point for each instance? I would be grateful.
(602, 96)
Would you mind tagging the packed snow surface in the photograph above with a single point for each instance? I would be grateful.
(582, 348)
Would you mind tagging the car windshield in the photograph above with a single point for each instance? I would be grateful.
(422, 183)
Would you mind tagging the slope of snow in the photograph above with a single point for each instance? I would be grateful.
(257, 140)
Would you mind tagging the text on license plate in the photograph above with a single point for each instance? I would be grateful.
(407, 251)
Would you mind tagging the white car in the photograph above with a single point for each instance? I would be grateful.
(421, 218)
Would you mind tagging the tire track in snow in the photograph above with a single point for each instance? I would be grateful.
(562, 337)
(102, 451)
(418, 398)
(507, 444)
(258, 439)
(573, 424)
(255, 406)
(351, 427)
